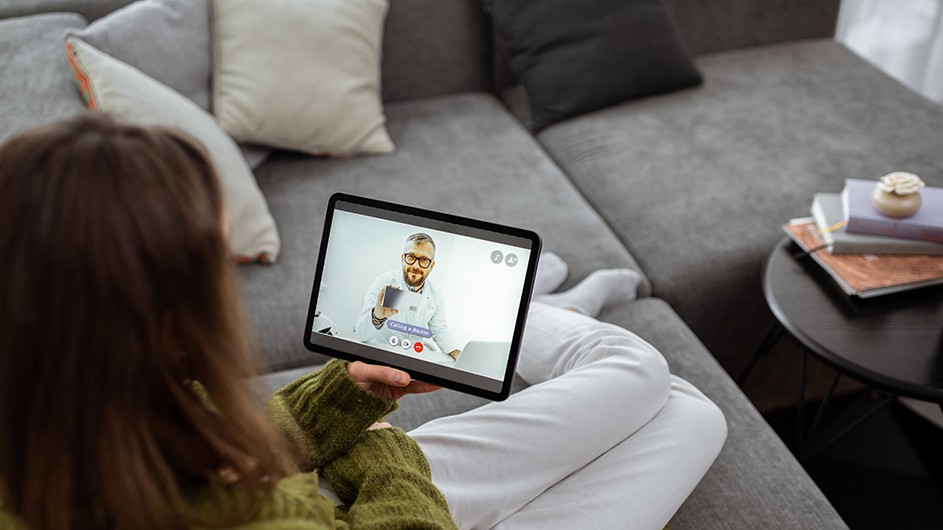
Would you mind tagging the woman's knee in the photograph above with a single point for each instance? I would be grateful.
(703, 417)
(636, 353)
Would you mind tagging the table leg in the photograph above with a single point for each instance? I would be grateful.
(821, 411)
(887, 400)
(773, 336)
(800, 405)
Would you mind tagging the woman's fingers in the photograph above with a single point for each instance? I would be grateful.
(368, 374)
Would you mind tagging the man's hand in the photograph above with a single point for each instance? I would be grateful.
(386, 382)
(454, 354)
(383, 312)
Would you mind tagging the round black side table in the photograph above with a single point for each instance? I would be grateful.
(892, 343)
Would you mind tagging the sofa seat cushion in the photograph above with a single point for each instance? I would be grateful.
(36, 85)
(462, 154)
(697, 184)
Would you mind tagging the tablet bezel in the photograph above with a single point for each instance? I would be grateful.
(420, 214)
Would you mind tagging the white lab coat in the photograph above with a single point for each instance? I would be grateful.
(429, 314)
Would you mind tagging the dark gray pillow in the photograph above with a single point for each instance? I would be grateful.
(575, 56)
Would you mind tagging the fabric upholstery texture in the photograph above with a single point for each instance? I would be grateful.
(300, 74)
(169, 40)
(721, 25)
(575, 57)
(461, 154)
(725, 165)
(36, 85)
(435, 48)
(90, 9)
(133, 97)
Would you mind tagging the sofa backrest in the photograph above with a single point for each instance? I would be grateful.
(717, 25)
(90, 9)
(434, 47)
(430, 47)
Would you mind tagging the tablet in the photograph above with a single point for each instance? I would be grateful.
(442, 297)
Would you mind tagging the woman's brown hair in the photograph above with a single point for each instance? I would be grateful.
(117, 294)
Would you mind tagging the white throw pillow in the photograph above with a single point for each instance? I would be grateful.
(300, 74)
(127, 94)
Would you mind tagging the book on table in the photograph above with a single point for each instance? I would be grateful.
(866, 275)
(863, 217)
(827, 211)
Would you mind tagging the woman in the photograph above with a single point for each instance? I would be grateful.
(124, 355)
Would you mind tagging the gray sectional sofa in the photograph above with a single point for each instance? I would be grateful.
(690, 188)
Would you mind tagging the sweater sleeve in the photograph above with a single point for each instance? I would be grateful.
(322, 414)
(386, 481)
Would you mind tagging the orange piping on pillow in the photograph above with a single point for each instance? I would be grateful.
(81, 78)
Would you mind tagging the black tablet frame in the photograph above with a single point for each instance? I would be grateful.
(345, 348)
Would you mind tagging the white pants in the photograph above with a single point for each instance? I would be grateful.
(605, 437)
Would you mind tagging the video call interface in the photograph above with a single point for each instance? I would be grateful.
(441, 298)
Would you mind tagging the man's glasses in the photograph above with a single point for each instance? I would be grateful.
(423, 262)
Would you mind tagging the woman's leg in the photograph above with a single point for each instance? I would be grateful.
(641, 482)
(595, 385)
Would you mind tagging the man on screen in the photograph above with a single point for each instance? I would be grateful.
(374, 323)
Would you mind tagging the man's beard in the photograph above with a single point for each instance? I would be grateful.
(414, 284)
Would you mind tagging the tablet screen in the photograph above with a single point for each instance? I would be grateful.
(439, 296)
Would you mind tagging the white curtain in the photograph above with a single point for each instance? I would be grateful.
(903, 37)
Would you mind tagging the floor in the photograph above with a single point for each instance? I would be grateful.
(887, 473)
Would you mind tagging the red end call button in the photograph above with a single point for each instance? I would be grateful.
(418, 347)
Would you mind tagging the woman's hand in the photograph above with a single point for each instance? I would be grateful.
(386, 382)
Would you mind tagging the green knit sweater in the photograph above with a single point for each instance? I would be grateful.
(381, 475)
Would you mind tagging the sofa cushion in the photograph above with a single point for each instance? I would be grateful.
(36, 85)
(435, 47)
(168, 40)
(574, 57)
(300, 75)
(697, 184)
(462, 154)
(90, 9)
(124, 92)
(730, 24)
